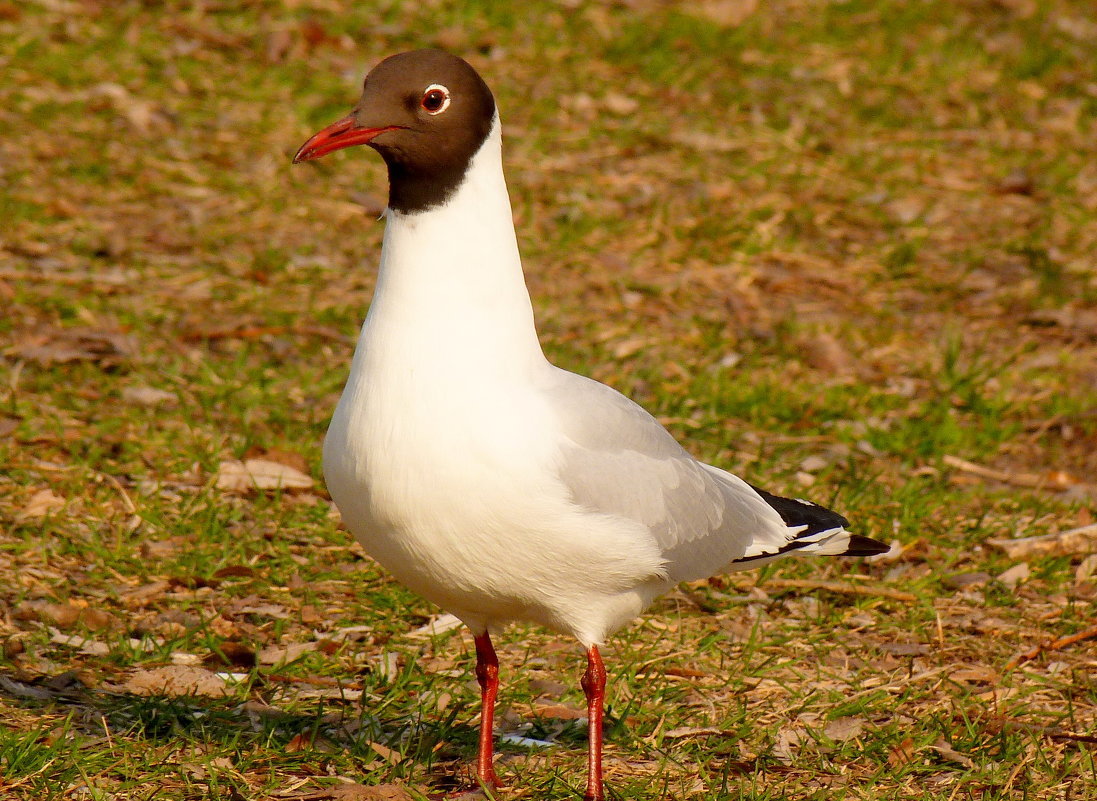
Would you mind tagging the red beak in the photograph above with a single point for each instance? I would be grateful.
(344, 133)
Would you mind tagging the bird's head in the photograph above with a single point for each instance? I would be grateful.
(427, 113)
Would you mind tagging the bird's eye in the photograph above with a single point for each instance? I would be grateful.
(435, 99)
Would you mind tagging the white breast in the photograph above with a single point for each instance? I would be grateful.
(442, 452)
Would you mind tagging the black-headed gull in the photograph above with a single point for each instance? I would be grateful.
(487, 480)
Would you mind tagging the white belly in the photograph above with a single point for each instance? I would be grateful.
(455, 492)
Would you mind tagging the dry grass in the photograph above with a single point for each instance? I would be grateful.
(844, 248)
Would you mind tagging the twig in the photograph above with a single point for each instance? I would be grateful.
(127, 501)
(1076, 540)
(57, 277)
(1055, 480)
(257, 331)
(840, 587)
(1052, 732)
(1054, 645)
(320, 681)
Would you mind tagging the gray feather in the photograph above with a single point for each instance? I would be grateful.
(619, 460)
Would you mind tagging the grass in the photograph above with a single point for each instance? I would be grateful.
(831, 244)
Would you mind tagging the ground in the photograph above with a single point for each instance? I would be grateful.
(846, 249)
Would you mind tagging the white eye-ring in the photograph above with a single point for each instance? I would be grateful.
(435, 99)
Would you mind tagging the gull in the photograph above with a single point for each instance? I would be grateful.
(487, 480)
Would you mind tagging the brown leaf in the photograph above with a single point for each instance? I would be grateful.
(235, 571)
(288, 458)
(40, 504)
(66, 615)
(86, 645)
(978, 674)
(300, 742)
(825, 353)
(959, 581)
(79, 343)
(684, 673)
(258, 475)
(1017, 182)
(281, 654)
(385, 752)
(149, 396)
(173, 680)
(231, 654)
(559, 711)
(1015, 575)
(356, 792)
(789, 739)
(842, 729)
(146, 593)
(8, 424)
(726, 13)
(902, 754)
(692, 731)
(949, 753)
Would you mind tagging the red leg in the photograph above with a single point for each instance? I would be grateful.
(594, 685)
(487, 675)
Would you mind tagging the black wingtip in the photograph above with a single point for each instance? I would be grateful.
(864, 546)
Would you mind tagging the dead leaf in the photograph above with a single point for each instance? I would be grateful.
(788, 741)
(235, 571)
(355, 792)
(1015, 575)
(904, 648)
(8, 424)
(902, 754)
(825, 353)
(949, 753)
(386, 753)
(561, 712)
(40, 504)
(726, 13)
(842, 729)
(1017, 182)
(281, 654)
(300, 742)
(146, 593)
(260, 474)
(277, 611)
(144, 115)
(231, 654)
(21, 690)
(437, 625)
(691, 731)
(174, 680)
(959, 581)
(79, 343)
(977, 674)
(288, 458)
(1086, 569)
(621, 104)
(85, 645)
(906, 209)
(66, 615)
(149, 396)
(684, 673)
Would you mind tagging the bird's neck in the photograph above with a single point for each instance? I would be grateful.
(451, 276)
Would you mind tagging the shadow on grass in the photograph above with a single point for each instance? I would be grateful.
(303, 737)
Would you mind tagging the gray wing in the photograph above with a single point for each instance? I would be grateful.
(617, 459)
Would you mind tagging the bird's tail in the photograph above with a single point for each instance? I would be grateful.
(813, 529)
